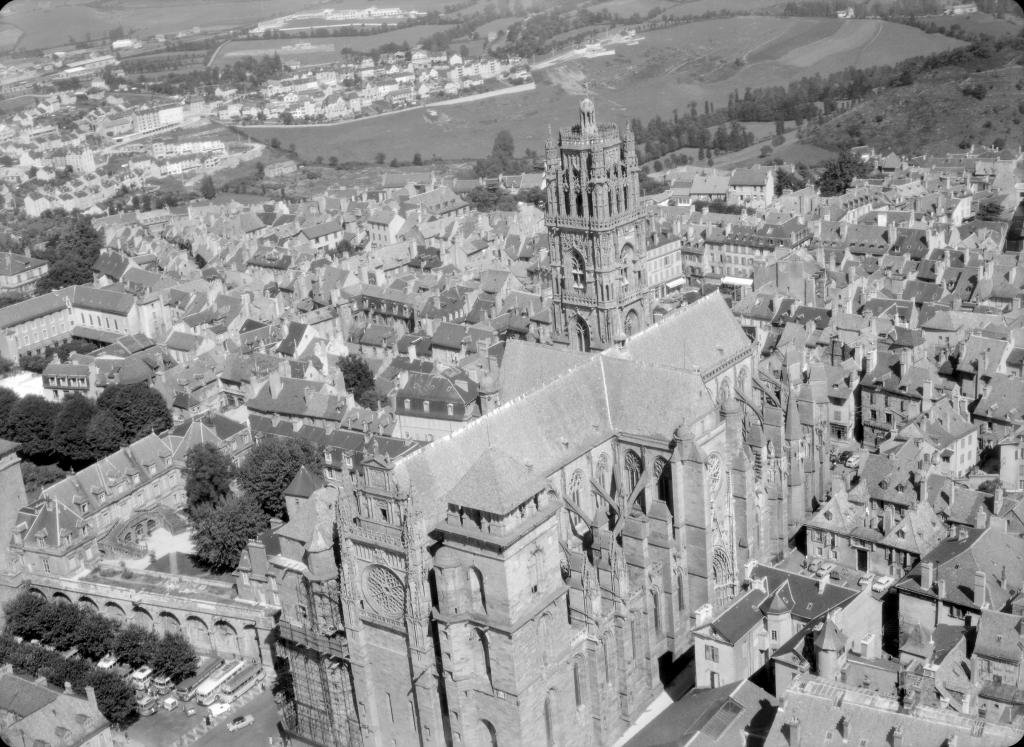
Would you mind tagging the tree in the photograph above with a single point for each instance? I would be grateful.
(287, 118)
(207, 188)
(59, 622)
(70, 438)
(270, 467)
(785, 179)
(175, 657)
(8, 400)
(359, 380)
(839, 174)
(394, 163)
(260, 169)
(219, 534)
(71, 255)
(275, 143)
(504, 146)
(134, 645)
(31, 424)
(24, 615)
(105, 434)
(379, 159)
(95, 635)
(208, 475)
(991, 209)
(140, 409)
(114, 697)
(417, 159)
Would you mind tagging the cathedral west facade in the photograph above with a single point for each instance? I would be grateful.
(525, 580)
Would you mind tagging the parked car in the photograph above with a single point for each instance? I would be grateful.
(241, 722)
(191, 710)
(883, 583)
(853, 461)
(169, 703)
(147, 706)
(824, 570)
(866, 579)
(218, 709)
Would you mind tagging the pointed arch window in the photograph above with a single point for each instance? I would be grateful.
(578, 272)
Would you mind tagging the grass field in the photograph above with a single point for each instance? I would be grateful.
(670, 68)
(321, 49)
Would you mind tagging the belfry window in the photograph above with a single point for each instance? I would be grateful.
(579, 276)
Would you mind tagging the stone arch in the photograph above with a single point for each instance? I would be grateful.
(142, 617)
(482, 650)
(225, 637)
(198, 633)
(60, 596)
(579, 333)
(631, 324)
(633, 469)
(663, 478)
(249, 642)
(490, 735)
(87, 603)
(169, 623)
(37, 592)
(114, 611)
(477, 591)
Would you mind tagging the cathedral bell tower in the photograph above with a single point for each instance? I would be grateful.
(598, 229)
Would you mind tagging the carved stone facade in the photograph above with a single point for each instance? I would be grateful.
(598, 230)
(525, 580)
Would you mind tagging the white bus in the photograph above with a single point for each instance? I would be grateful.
(206, 693)
(243, 681)
(141, 678)
(186, 690)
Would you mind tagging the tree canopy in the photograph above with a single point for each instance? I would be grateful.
(208, 475)
(207, 188)
(271, 466)
(30, 422)
(359, 380)
(71, 430)
(221, 532)
(71, 256)
(839, 173)
(139, 408)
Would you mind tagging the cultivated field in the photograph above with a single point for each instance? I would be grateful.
(667, 70)
(319, 50)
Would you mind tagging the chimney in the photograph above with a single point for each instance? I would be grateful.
(997, 501)
(940, 589)
(927, 575)
(927, 393)
(897, 736)
(979, 588)
(821, 585)
(794, 732)
(90, 694)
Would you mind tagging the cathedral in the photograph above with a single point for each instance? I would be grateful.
(527, 579)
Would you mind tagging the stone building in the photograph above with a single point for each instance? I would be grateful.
(599, 229)
(524, 580)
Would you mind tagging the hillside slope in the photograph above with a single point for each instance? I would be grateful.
(934, 114)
